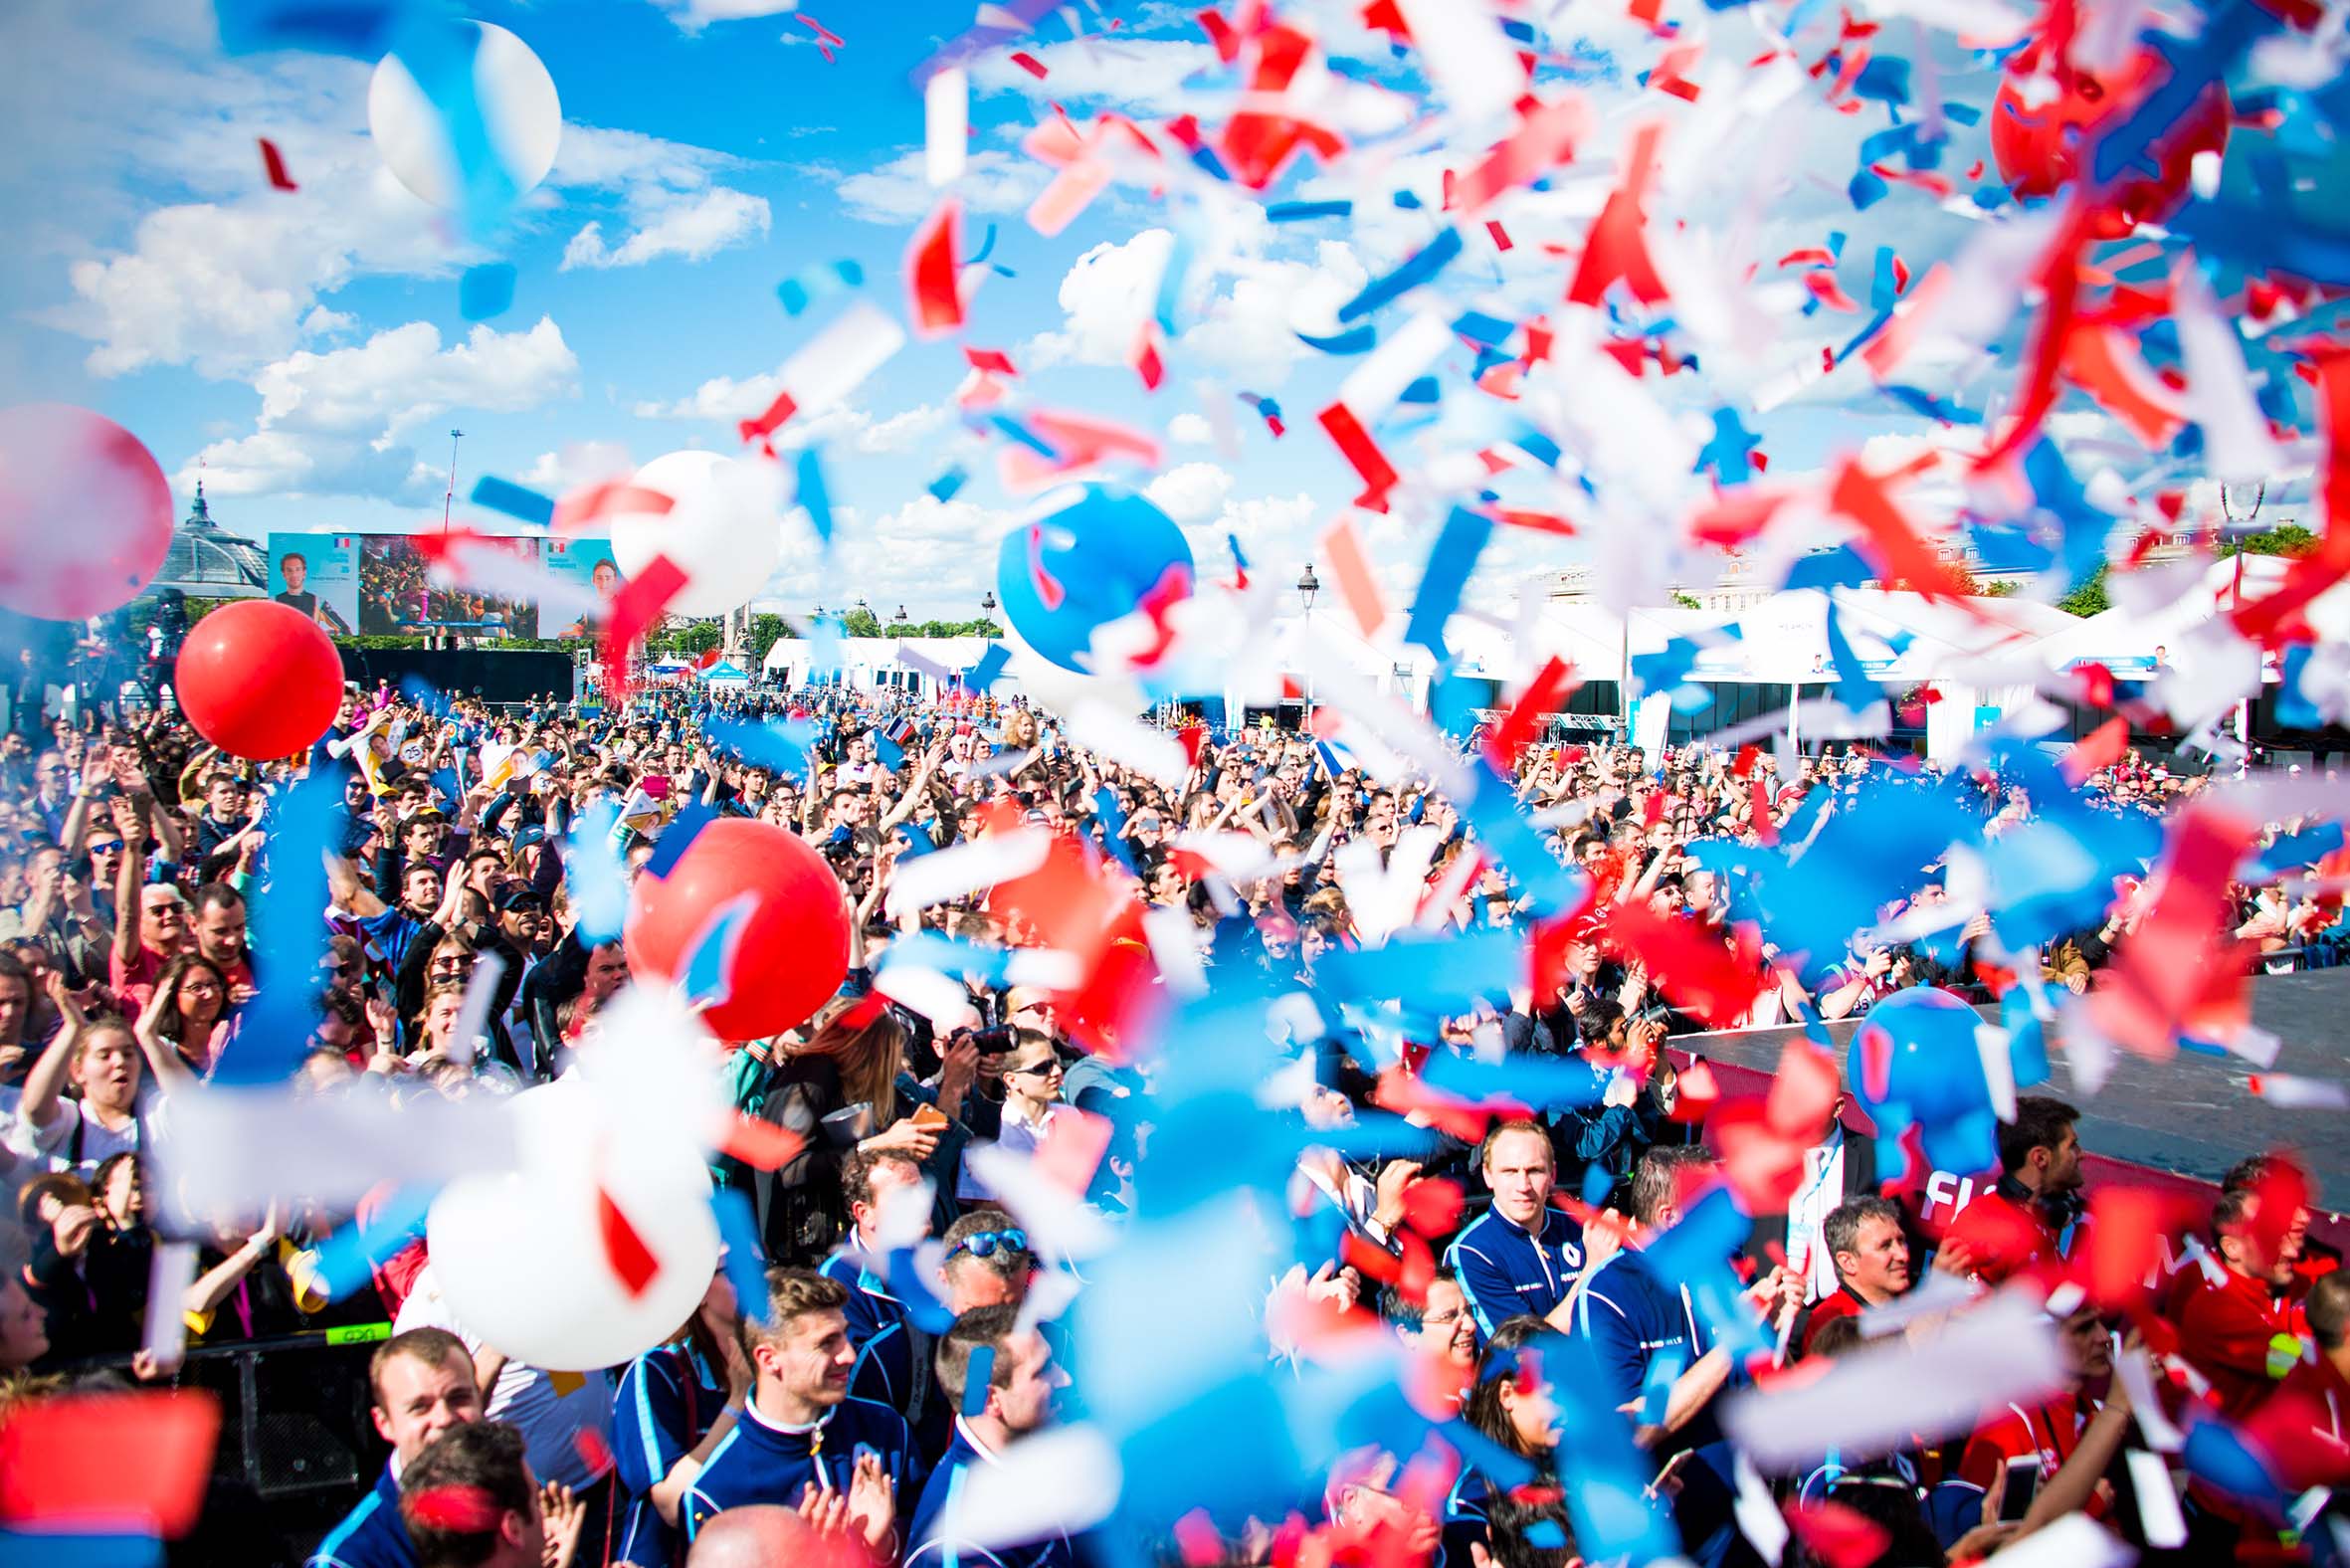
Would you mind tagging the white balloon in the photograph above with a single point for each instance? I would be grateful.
(723, 528)
(520, 108)
(521, 1258)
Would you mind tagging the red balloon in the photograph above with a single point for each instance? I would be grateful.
(259, 679)
(2042, 148)
(794, 949)
(84, 512)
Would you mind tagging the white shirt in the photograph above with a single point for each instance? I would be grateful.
(1821, 1192)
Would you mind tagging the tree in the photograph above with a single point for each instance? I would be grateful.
(861, 621)
(2287, 538)
(2004, 588)
(766, 629)
(2089, 598)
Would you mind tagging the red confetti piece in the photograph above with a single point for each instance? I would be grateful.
(1350, 564)
(2103, 362)
(1704, 975)
(1029, 63)
(2101, 747)
(462, 1510)
(1616, 251)
(1145, 358)
(2312, 574)
(592, 1450)
(1537, 522)
(1073, 1147)
(633, 1263)
(762, 1145)
(2179, 965)
(1889, 538)
(1221, 34)
(1829, 291)
(272, 163)
(770, 421)
(936, 295)
(1543, 140)
(1551, 685)
(824, 35)
(993, 360)
(635, 609)
(134, 1463)
(590, 503)
(1195, 1533)
(1048, 590)
(1355, 443)
(1840, 1536)
(1500, 233)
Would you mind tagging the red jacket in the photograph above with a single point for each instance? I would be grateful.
(2002, 1236)
(2225, 1332)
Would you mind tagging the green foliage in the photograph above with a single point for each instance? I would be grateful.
(862, 621)
(2004, 588)
(1686, 601)
(2287, 538)
(2089, 598)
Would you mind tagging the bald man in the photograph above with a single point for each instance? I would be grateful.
(757, 1536)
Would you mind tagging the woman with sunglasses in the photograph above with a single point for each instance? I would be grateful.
(1032, 1100)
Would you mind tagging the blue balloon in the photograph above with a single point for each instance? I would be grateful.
(1930, 1076)
(1085, 564)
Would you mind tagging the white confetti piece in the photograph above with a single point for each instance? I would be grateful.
(946, 125)
(170, 1273)
(1060, 1480)
(2073, 1541)
(1059, 1223)
(2288, 1091)
(966, 868)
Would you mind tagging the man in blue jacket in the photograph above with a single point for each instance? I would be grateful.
(1002, 1379)
(1523, 1254)
(801, 1429)
(422, 1383)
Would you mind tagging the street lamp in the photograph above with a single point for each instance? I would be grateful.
(899, 617)
(1307, 586)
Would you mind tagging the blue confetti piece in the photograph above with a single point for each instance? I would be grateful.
(947, 485)
(1303, 211)
(1167, 307)
(29, 1548)
(712, 958)
(1920, 402)
(1408, 201)
(1449, 562)
(975, 1380)
(347, 1259)
(1359, 340)
(1422, 390)
(674, 839)
(991, 665)
(1446, 976)
(439, 53)
(814, 281)
(486, 291)
(515, 500)
(987, 247)
(359, 29)
(1885, 79)
(891, 755)
(595, 874)
(1480, 327)
(1546, 1534)
(1025, 437)
(1853, 687)
(1598, 1182)
(2028, 1043)
(301, 825)
(1729, 453)
(2227, 35)
(779, 748)
(1866, 190)
(1543, 1083)
(745, 1261)
(1419, 269)
(813, 499)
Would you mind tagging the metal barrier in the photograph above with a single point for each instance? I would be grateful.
(297, 1446)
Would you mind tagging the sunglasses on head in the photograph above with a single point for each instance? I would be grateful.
(983, 1244)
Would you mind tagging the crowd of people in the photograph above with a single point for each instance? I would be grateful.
(1516, 1258)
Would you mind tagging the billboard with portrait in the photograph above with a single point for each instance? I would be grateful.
(318, 574)
(397, 594)
(586, 563)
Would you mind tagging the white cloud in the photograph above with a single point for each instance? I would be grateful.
(935, 557)
(722, 400)
(898, 191)
(579, 463)
(694, 227)
(1144, 74)
(1190, 430)
(338, 423)
(1105, 297)
(1191, 492)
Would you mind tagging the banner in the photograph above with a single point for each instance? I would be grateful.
(587, 562)
(318, 574)
(397, 594)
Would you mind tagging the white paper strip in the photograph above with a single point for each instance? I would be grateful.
(946, 125)
(833, 364)
(2073, 1541)
(2158, 1501)
(2289, 1093)
(1466, 54)
(1874, 1400)
(472, 1014)
(1058, 1481)
(1059, 1223)
(2137, 1380)
(938, 998)
(1381, 379)
(170, 1273)
(1128, 741)
(237, 1150)
(965, 869)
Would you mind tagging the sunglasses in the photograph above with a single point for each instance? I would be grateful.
(1045, 1069)
(465, 962)
(983, 1244)
(114, 846)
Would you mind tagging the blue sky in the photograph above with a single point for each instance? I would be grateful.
(309, 352)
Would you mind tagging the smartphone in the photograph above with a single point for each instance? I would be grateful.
(929, 1117)
(2023, 1485)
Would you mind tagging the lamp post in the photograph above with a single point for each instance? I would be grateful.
(899, 617)
(987, 606)
(1307, 586)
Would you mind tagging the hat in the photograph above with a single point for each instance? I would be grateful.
(516, 898)
(533, 833)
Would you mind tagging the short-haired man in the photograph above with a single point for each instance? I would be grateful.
(1523, 1254)
(988, 1262)
(2029, 1213)
(470, 1502)
(219, 926)
(2232, 1330)
(1871, 1250)
(890, 1366)
(1636, 1320)
(802, 1428)
(422, 1383)
(1001, 1377)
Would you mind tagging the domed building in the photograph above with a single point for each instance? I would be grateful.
(209, 562)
